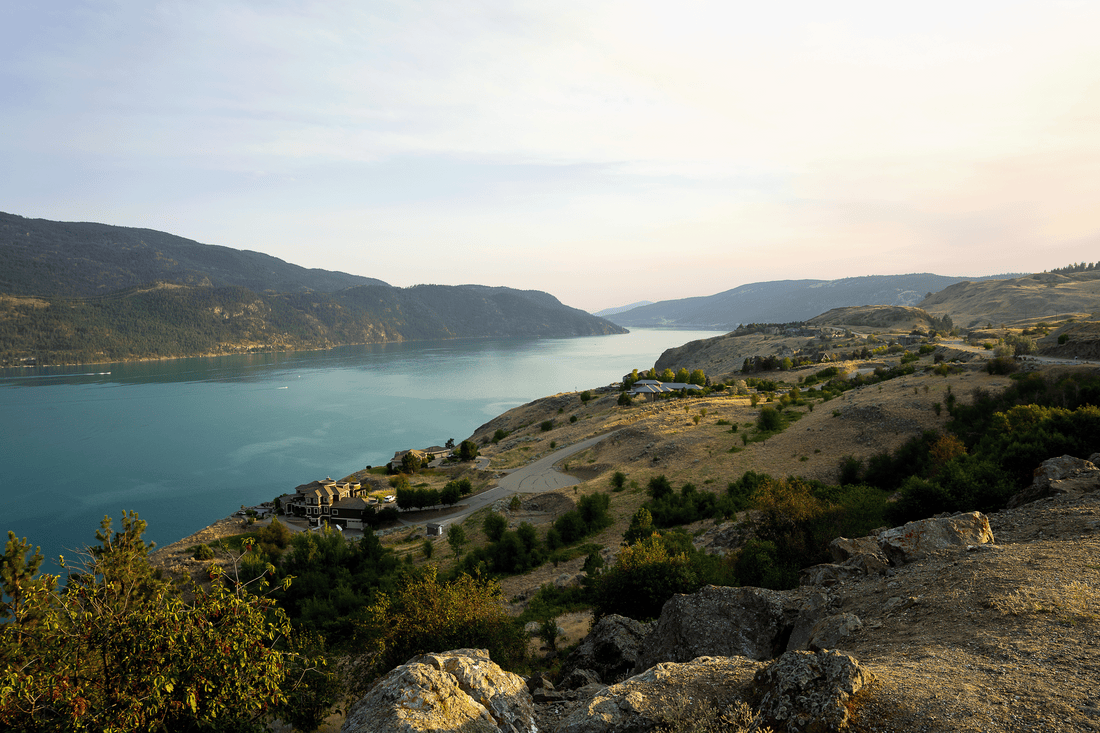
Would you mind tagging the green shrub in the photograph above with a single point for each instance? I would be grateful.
(546, 425)
(769, 420)
(203, 552)
(494, 526)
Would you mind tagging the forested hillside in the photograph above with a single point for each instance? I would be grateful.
(173, 320)
(41, 257)
(81, 293)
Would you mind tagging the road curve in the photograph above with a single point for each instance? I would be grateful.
(533, 478)
(540, 476)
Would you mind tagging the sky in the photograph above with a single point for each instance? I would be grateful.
(606, 152)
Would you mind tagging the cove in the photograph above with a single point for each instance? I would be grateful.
(186, 442)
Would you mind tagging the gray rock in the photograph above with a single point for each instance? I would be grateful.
(579, 678)
(1061, 475)
(842, 548)
(460, 690)
(834, 632)
(756, 623)
(915, 540)
(808, 692)
(663, 695)
(829, 574)
(612, 648)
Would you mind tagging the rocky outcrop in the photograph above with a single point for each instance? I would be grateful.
(612, 649)
(808, 692)
(873, 555)
(915, 540)
(460, 690)
(663, 695)
(1061, 475)
(756, 623)
(834, 632)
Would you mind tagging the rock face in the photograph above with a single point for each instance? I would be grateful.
(1062, 475)
(612, 649)
(662, 695)
(461, 690)
(808, 692)
(756, 623)
(915, 540)
(834, 632)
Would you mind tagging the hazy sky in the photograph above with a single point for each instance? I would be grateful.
(605, 152)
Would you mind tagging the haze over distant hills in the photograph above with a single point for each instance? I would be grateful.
(81, 292)
(612, 311)
(784, 301)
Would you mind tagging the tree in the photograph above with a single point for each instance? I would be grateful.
(586, 396)
(467, 450)
(625, 400)
(450, 444)
(410, 462)
(769, 420)
(456, 538)
(119, 649)
(494, 526)
(641, 526)
(424, 615)
(683, 375)
(698, 377)
(667, 376)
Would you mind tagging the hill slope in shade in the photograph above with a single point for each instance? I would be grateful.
(74, 259)
(1030, 298)
(784, 301)
(81, 293)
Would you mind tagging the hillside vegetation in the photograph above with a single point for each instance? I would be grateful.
(82, 292)
(42, 257)
(167, 320)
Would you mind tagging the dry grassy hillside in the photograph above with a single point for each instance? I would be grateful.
(892, 318)
(1043, 296)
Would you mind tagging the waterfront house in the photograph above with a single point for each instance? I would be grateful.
(316, 500)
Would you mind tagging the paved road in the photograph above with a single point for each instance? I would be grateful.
(534, 478)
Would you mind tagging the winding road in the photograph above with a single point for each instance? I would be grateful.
(534, 478)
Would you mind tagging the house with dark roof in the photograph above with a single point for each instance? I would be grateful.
(650, 388)
(316, 500)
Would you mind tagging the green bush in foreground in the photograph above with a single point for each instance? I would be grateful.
(119, 649)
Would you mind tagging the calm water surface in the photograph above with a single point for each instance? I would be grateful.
(186, 442)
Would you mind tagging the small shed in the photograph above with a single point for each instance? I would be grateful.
(434, 529)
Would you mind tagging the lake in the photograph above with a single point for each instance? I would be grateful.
(186, 442)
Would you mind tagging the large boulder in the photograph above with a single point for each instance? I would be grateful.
(612, 648)
(834, 632)
(663, 696)
(1061, 475)
(718, 621)
(460, 690)
(915, 540)
(808, 692)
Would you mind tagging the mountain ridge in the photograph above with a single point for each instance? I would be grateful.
(85, 292)
(786, 301)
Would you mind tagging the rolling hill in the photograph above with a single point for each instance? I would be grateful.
(80, 293)
(785, 301)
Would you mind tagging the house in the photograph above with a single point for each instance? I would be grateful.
(434, 529)
(650, 388)
(316, 500)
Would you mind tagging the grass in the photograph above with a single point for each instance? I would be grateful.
(1072, 604)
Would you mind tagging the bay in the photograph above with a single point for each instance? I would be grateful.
(185, 442)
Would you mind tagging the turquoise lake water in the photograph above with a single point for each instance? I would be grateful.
(188, 441)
